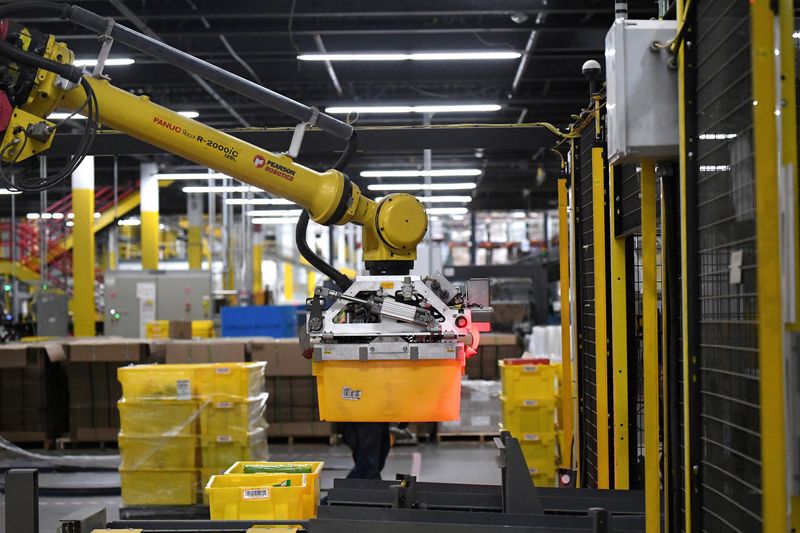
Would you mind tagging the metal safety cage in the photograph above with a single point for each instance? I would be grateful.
(593, 356)
(722, 264)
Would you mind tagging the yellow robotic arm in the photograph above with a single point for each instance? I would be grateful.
(391, 229)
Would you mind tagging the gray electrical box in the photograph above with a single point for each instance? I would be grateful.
(642, 91)
(134, 298)
(52, 314)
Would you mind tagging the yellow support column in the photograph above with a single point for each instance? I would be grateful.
(83, 252)
(149, 214)
(600, 319)
(567, 423)
(288, 282)
(575, 344)
(619, 343)
(194, 245)
(652, 487)
(774, 508)
(311, 282)
(258, 257)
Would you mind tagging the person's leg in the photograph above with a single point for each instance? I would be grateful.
(350, 438)
(386, 445)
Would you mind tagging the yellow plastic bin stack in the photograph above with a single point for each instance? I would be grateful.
(180, 424)
(530, 400)
(265, 491)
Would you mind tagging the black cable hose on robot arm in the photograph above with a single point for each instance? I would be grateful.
(302, 226)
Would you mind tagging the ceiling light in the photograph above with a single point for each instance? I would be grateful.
(70, 223)
(439, 173)
(275, 213)
(6, 191)
(447, 211)
(796, 35)
(62, 116)
(422, 187)
(275, 220)
(218, 188)
(439, 199)
(32, 216)
(97, 215)
(189, 176)
(130, 222)
(415, 56)
(189, 114)
(463, 108)
(110, 62)
(715, 168)
(258, 201)
(58, 216)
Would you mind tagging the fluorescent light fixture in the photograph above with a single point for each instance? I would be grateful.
(62, 116)
(189, 114)
(400, 109)
(439, 199)
(258, 201)
(447, 210)
(717, 136)
(33, 216)
(70, 223)
(438, 173)
(6, 191)
(110, 62)
(193, 189)
(276, 213)
(97, 215)
(46, 216)
(274, 221)
(130, 222)
(715, 168)
(58, 216)
(70, 215)
(458, 217)
(422, 187)
(173, 176)
(415, 56)
(796, 35)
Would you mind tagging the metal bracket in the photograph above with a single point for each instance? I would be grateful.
(22, 495)
(108, 42)
(300, 131)
(518, 491)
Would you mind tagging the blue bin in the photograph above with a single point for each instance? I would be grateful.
(278, 321)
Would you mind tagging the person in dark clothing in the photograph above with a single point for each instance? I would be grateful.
(370, 444)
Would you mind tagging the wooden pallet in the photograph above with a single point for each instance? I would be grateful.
(63, 443)
(29, 438)
(465, 436)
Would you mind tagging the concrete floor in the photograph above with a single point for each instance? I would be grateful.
(449, 462)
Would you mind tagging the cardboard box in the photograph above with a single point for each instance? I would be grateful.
(301, 429)
(283, 356)
(205, 351)
(303, 414)
(180, 329)
(107, 350)
(303, 392)
(14, 355)
(473, 370)
(496, 339)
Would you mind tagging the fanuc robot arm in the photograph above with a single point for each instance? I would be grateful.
(387, 315)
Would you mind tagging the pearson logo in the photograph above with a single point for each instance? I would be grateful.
(259, 161)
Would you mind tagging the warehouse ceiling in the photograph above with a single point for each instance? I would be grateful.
(261, 41)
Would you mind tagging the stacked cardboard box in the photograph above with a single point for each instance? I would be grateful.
(480, 408)
(33, 392)
(492, 348)
(183, 423)
(93, 386)
(206, 351)
(293, 410)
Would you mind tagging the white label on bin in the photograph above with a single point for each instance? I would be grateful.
(255, 494)
(530, 368)
(531, 436)
(350, 394)
(224, 405)
(224, 438)
(223, 370)
(183, 389)
(530, 403)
